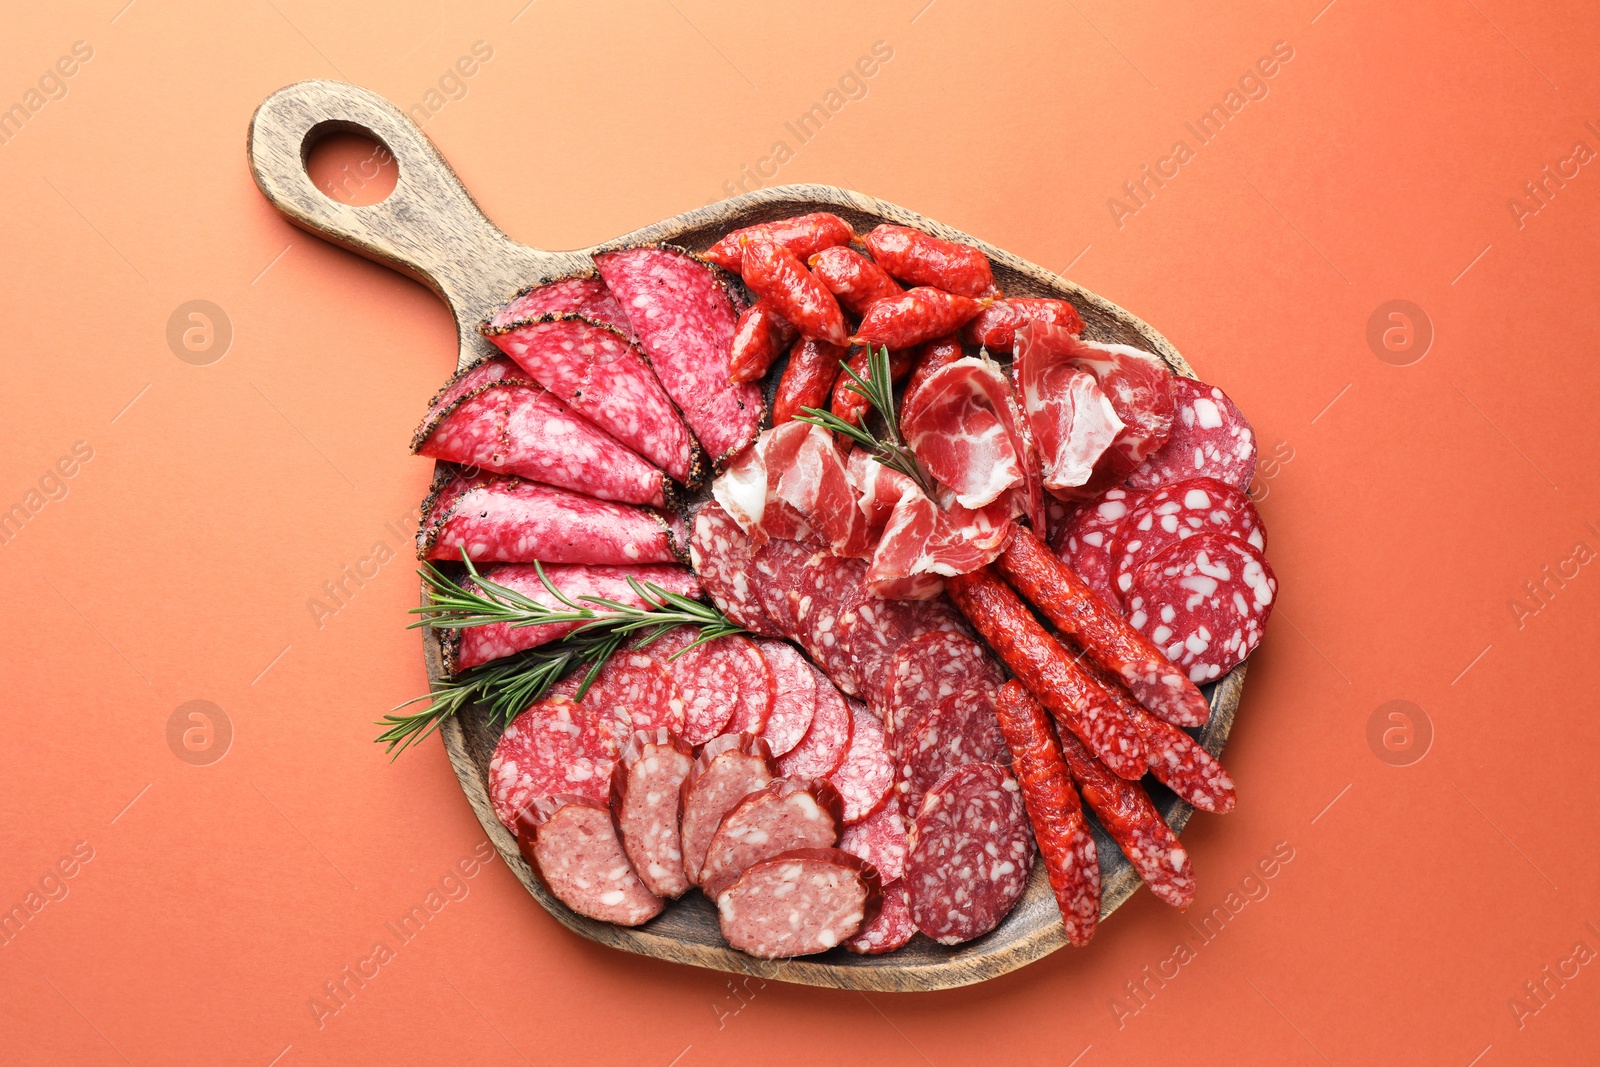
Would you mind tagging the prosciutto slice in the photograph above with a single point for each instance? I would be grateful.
(793, 484)
(1072, 419)
(1139, 387)
(920, 542)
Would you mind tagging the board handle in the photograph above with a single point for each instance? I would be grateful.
(429, 227)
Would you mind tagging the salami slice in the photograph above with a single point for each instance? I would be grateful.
(681, 313)
(828, 586)
(925, 671)
(864, 776)
(778, 565)
(512, 427)
(890, 929)
(787, 813)
(580, 295)
(875, 628)
(1178, 511)
(501, 518)
(794, 696)
(960, 729)
(720, 553)
(473, 645)
(594, 370)
(646, 794)
(635, 687)
(574, 847)
(880, 839)
(726, 685)
(1205, 602)
(798, 903)
(553, 747)
(971, 854)
(1087, 538)
(728, 769)
(822, 749)
(1210, 439)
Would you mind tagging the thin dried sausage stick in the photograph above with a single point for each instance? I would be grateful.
(852, 277)
(1064, 598)
(804, 235)
(996, 326)
(913, 317)
(807, 380)
(759, 335)
(1126, 812)
(773, 273)
(1047, 669)
(1054, 809)
(850, 405)
(923, 259)
(939, 352)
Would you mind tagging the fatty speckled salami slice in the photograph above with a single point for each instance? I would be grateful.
(726, 684)
(794, 696)
(927, 670)
(1205, 602)
(971, 854)
(960, 729)
(778, 565)
(880, 839)
(480, 644)
(646, 794)
(499, 518)
(597, 372)
(553, 747)
(864, 776)
(799, 902)
(680, 311)
(827, 587)
(580, 295)
(634, 686)
(721, 555)
(573, 845)
(890, 929)
(821, 751)
(1210, 439)
(512, 427)
(728, 769)
(873, 629)
(1085, 544)
(1176, 512)
(787, 813)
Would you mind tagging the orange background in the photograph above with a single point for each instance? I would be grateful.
(1422, 893)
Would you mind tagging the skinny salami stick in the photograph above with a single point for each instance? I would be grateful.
(1105, 635)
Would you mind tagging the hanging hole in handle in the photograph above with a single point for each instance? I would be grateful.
(348, 164)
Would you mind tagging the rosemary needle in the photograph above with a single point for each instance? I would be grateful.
(877, 389)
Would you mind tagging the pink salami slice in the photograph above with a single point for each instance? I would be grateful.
(586, 296)
(726, 685)
(728, 769)
(479, 644)
(595, 371)
(866, 773)
(778, 565)
(680, 311)
(787, 813)
(553, 747)
(509, 426)
(1178, 511)
(1210, 439)
(873, 630)
(720, 553)
(821, 751)
(960, 729)
(798, 902)
(646, 794)
(890, 929)
(880, 839)
(635, 687)
(574, 846)
(1205, 602)
(928, 669)
(794, 696)
(828, 586)
(501, 518)
(1087, 536)
(971, 854)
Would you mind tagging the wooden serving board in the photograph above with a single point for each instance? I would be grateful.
(431, 229)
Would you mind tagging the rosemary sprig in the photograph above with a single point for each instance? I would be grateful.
(877, 388)
(507, 686)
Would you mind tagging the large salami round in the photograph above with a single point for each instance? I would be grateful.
(960, 729)
(633, 686)
(728, 769)
(799, 902)
(646, 789)
(928, 669)
(787, 813)
(971, 854)
(725, 683)
(1085, 543)
(829, 585)
(1175, 512)
(720, 553)
(821, 751)
(874, 629)
(880, 839)
(554, 747)
(794, 696)
(573, 844)
(1205, 602)
(866, 773)
(1210, 439)
(778, 565)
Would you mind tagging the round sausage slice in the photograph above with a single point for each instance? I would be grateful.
(788, 813)
(646, 791)
(573, 845)
(730, 768)
(798, 903)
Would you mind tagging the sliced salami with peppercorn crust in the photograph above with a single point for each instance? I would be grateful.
(646, 794)
(1205, 602)
(573, 845)
(1175, 512)
(785, 814)
(508, 425)
(928, 669)
(728, 769)
(596, 371)
(632, 685)
(960, 729)
(500, 518)
(726, 685)
(553, 747)
(579, 295)
(473, 645)
(798, 903)
(971, 854)
(822, 749)
(794, 696)
(683, 317)
(1210, 439)
(890, 929)
(880, 839)
(1087, 535)
(720, 553)
(864, 776)
(1054, 809)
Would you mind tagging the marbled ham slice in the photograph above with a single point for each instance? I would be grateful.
(579, 295)
(959, 431)
(919, 542)
(1139, 386)
(1072, 420)
(680, 311)
(793, 484)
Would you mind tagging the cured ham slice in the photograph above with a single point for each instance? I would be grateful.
(492, 416)
(921, 543)
(794, 485)
(1072, 420)
(1139, 386)
(594, 370)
